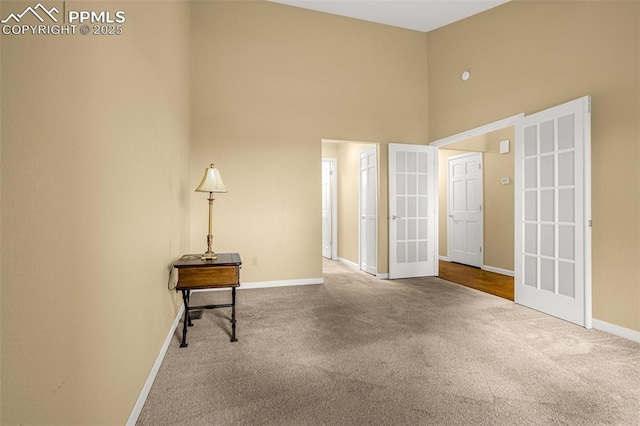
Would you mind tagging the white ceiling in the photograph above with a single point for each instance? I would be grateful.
(419, 15)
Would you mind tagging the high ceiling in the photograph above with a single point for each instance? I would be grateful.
(418, 15)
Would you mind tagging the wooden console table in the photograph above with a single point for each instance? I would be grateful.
(196, 274)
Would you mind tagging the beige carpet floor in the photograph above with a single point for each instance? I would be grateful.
(361, 351)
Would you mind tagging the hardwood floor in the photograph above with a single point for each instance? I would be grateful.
(489, 282)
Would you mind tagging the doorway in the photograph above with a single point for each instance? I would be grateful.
(494, 201)
(346, 220)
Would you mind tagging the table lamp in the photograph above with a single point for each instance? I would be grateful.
(211, 182)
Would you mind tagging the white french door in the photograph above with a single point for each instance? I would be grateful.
(369, 210)
(553, 211)
(465, 220)
(413, 218)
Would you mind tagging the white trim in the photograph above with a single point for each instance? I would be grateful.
(334, 205)
(487, 268)
(498, 270)
(268, 284)
(282, 283)
(354, 265)
(588, 290)
(619, 331)
(477, 131)
(144, 393)
(380, 276)
(436, 231)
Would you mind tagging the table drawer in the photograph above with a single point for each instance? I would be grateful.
(205, 277)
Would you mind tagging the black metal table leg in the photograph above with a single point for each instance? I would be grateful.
(187, 318)
(189, 301)
(186, 294)
(233, 315)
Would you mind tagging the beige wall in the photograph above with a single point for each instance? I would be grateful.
(269, 82)
(329, 150)
(529, 56)
(498, 202)
(498, 198)
(95, 208)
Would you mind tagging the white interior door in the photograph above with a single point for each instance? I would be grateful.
(553, 212)
(413, 219)
(369, 210)
(327, 209)
(465, 220)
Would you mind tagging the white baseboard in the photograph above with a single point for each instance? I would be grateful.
(269, 284)
(626, 333)
(137, 408)
(282, 283)
(355, 266)
(498, 270)
(349, 263)
(487, 268)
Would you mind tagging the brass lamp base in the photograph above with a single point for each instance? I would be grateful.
(209, 255)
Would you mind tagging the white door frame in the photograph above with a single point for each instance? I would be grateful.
(334, 205)
(481, 197)
(361, 199)
(476, 131)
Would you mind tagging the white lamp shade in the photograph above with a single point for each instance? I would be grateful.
(211, 181)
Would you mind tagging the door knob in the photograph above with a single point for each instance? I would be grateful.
(394, 217)
(451, 216)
